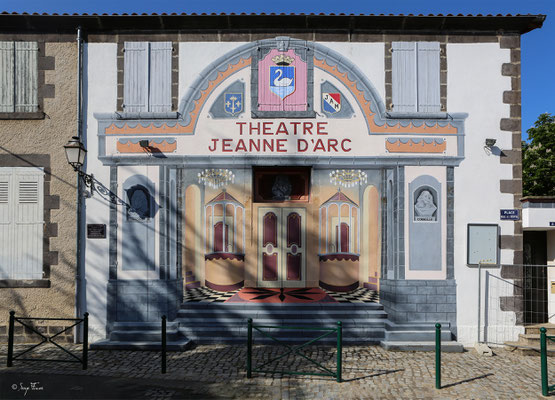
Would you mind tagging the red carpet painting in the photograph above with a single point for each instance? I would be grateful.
(281, 295)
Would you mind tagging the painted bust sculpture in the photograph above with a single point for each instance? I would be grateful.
(425, 206)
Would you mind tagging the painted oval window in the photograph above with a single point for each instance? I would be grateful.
(139, 204)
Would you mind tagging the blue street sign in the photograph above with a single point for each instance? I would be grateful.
(512, 215)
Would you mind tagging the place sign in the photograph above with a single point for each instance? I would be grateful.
(96, 231)
(512, 215)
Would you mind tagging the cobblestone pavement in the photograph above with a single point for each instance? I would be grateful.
(218, 371)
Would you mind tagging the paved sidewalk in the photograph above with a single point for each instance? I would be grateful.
(218, 371)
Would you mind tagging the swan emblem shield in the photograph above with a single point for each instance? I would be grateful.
(282, 80)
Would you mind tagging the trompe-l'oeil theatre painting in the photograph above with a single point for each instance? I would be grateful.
(279, 162)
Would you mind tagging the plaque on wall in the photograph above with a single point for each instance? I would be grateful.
(96, 231)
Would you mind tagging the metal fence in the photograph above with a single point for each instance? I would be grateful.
(27, 323)
(324, 371)
(512, 297)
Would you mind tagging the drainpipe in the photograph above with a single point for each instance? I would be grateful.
(79, 273)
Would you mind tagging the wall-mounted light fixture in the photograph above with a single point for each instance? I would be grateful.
(490, 143)
(75, 154)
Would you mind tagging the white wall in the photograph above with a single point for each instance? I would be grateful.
(475, 85)
(100, 91)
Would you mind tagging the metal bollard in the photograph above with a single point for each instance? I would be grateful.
(339, 350)
(86, 340)
(10, 339)
(163, 344)
(438, 356)
(543, 358)
(249, 348)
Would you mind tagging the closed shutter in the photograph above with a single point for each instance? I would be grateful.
(21, 223)
(160, 96)
(135, 77)
(428, 77)
(6, 223)
(7, 60)
(29, 224)
(26, 98)
(404, 76)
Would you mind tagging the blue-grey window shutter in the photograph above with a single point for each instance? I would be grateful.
(135, 77)
(160, 91)
(428, 77)
(29, 221)
(404, 82)
(7, 93)
(6, 223)
(26, 77)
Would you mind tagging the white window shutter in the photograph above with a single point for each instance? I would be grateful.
(26, 76)
(7, 60)
(28, 232)
(135, 77)
(160, 91)
(404, 76)
(6, 223)
(428, 77)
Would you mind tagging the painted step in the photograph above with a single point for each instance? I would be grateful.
(150, 326)
(266, 341)
(327, 322)
(448, 347)
(282, 314)
(414, 326)
(178, 345)
(232, 336)
(283, 306)
(143, 335)
(416, 336)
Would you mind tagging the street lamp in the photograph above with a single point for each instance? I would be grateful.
(75, 153)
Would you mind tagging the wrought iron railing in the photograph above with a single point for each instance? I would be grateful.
(83, 360)
(338, 331)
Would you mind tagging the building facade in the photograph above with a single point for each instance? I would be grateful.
(38, 104)
(300, 151)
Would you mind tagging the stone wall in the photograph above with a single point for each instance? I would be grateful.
(39, 141)
(408, 301)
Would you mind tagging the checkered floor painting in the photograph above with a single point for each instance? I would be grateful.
(360, 295)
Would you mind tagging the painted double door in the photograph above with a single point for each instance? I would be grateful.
(281, 247)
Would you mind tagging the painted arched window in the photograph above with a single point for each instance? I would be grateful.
(339, 226)
(225, 225)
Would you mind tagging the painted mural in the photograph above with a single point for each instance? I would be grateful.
(279, 163)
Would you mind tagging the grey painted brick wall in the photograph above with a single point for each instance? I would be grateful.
(408, 301)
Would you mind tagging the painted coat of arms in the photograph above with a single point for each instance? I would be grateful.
(282, 82)
(233, 103)
(331, 102)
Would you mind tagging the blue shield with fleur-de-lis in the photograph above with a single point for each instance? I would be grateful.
(233, 103)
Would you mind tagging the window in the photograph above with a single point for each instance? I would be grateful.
(339, 227)
(416, 77)
(225, 225)
(147, 77)
(18, 77)
(21, 223)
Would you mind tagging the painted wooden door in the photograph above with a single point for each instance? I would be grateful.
(281, 247)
